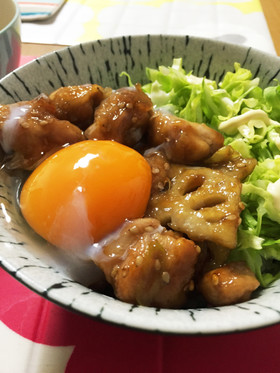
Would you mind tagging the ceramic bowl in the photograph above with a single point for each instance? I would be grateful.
(9, 36)
(58, 277)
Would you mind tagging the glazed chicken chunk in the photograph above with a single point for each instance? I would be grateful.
(148, 265)
(229, 284)
(77, 103)
(123, 116)
(30, 131)
(183, 141)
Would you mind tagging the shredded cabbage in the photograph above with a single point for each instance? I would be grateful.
(248, 116)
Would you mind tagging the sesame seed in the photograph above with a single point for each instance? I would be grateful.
(125, 271)
(157, 265)
(43, 122)
(155, 115)
(165, 277)
(139, 260)
(155, 170)
(241, 205)
(231, 217)
(240, 165)
(198, 249)
(114, 271)
(24, 124)
(134, 229)
(215, 279)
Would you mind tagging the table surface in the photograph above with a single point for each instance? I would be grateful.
(66, 342)
(271, 10)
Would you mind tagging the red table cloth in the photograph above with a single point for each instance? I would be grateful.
(32, 325)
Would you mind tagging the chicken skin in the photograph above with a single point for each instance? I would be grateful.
(183, 141)
(77, 103)
(148, 265)
(123, 116)
(30, 131)
(229, 284)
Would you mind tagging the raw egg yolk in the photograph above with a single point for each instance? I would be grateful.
(84, 192)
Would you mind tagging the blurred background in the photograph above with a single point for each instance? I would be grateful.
(67, 22)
